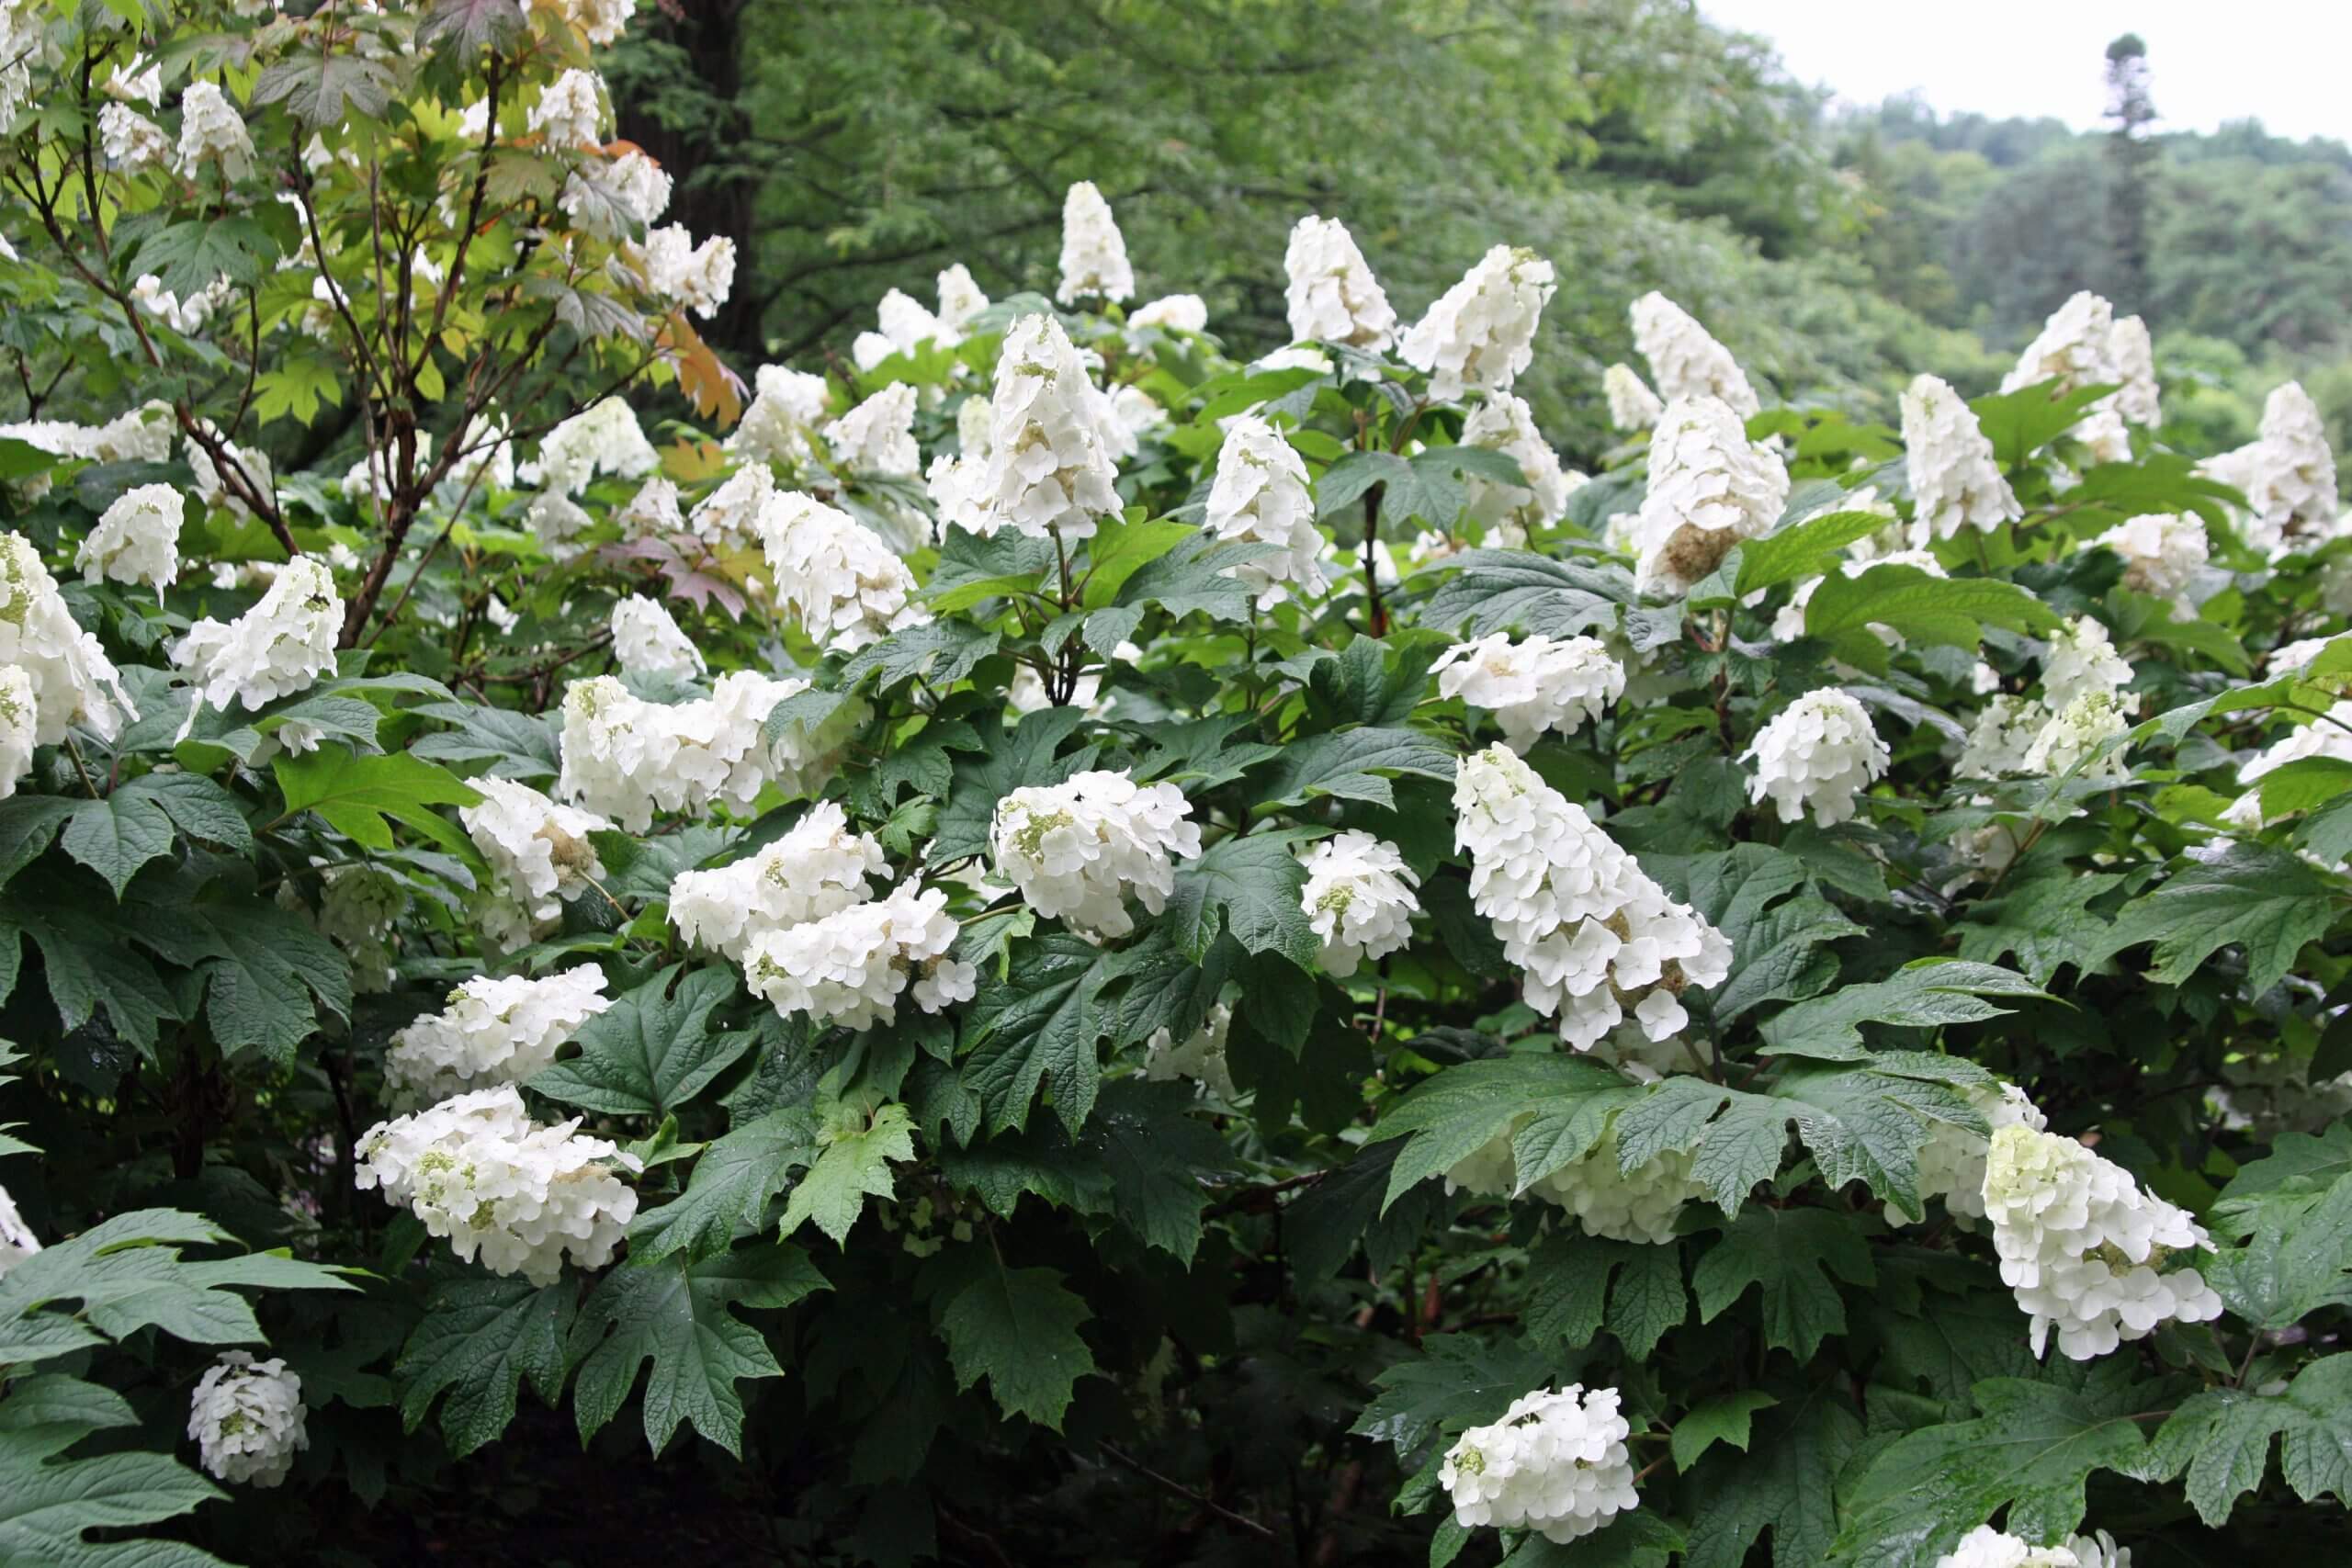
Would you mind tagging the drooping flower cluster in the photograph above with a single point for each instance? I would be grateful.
(1332, 294)
(1481, 333)
(625, 758)
(248, 1419)
(849, 967)
(497, 1030)
(1199, 1058)
(1951, 1162)
(68, 677)
(1359, 898)
(817, 868)
(1556, 1463)
(478, 1171)
(834, 575)
(131, 141)
(1955, 482)
(1260, 495)
(211, 131)
(1685, 360)
(1077, 850)
(1534, 684)
(728, 517)
(1588, 928)
(1985, 1547)
(2161, 552)
(279, 646)
(1816, 754)
(2084, 1250)
(1632, 407)
(539, 856)
(1049, 466)
(1094, 254)
(1710, 487)
(1505, 424)
(649, 643)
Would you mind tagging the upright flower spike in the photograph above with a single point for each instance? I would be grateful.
(1955, 483)
(787, 406)
(1049, 467)
(1710, 487)
(2134, 357)
(1333, 295)
(1632, 407)
(211, 131)
(2287, 474)
(649, 644)
(137, 539)
(1481, 333)
(1816, 754)
(1094, 254)
(1685, 362)
(1505, 424)
(960, 300)
(1260, 495)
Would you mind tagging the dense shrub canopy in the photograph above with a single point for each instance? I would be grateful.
(1044, 943)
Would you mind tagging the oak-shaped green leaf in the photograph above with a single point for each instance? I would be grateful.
(1018, 1328)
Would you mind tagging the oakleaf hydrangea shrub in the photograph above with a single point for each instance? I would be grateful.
(1076, 937)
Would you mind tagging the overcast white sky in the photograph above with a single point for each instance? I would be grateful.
(2284, 62)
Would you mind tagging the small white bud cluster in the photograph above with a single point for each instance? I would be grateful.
(137, 539)
(649, 644)
(1816, 754)
(1505, 424)
(2161, 552)
(625, 758)
(905, 327)
(478, 1170)
(1587, 927)
(1359, 898)
(247, 1419)
(359, 906)
(1985, 1547)
(1094, 254)
(539, 856)
(1076, 850)
(835, 576)
(1685, 360)
(2082, 707)
(68, 678)
(2083, 1248)
(1556, 1463)
(1331, 293)
(1049, 467)
(497, 1030)
(1955, 482)
(1260, 495)
(278, 648)
(1710, 487)
(1632, 407)
(1534, 684)
(787, 406)
(849, 968)
(817, 868)
(1481, 333)
(1199, 1058)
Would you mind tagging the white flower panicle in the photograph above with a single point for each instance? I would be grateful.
(1642, 1205)
(786, 408)
(1955, 482)
(649, 643)
(1260, 495)
(1710, 487)
(1077, 850)
(19, 716)
(1632, 407)
(904, 321)
(1534, 684)
(1199, 1058)
(849, 968)
(1094, 255)
(602, 438)
(652, 511)
(2129, 349)
(1504, 423)
(247, 1419)
(2081, 657)
(1685, 360)
(1049, 467)
(834, 575)
(1175, 313)
(2161, 551)
(17, 1239)
(625, 758)
(600, 21)
(1333, 295)
(699, 277)
(1816, 754)
(570, 111)
(1481, 333)
(878, 435)
(137, 539)
(539, 856)
(66, 671)
(2084, 1250)
(818, 868)
(2073, 732)
(2075, 348)
(497, 1030)
(1359, 898)
(131, 141)
(1556, 1464)
(960, 300)
(211, 131)
(2289, 475)
(1985, 1547)
(1587, 926)
(279, 646)
(1951, 1162)
(480, 1172)
(728, 517)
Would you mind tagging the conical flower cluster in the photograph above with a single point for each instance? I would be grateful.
(1359, 898)
(1260, 495)
(1332, 294)
(1481, 333)
(1532, 685)
(1049, 466)
(1816, 754)
(497, 1030)
(1077, 850)
(1685, 361)
(1710, 487)
(1955, 483)
(247, 1419)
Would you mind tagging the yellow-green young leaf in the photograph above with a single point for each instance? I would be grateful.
(1723, 1420)
(1925, 610)
(1018, 1328)
(356, 794)
(296, 388)
(851, 1164)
